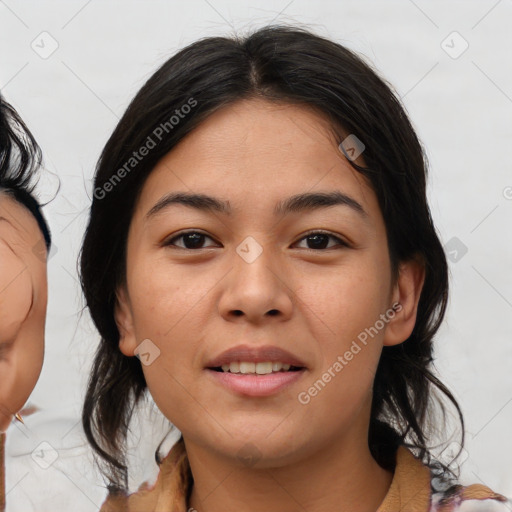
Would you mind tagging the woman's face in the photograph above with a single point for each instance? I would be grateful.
(270, 271)
(23, 297)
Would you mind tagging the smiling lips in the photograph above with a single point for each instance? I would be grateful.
(246, 354)
(246, 367)
(256, 371)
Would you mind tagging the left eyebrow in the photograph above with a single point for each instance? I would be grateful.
(301, 202)
(317, 200)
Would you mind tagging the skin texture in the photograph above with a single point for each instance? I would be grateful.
(23, 299)
(194, 304)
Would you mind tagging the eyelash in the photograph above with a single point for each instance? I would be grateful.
(169, 242)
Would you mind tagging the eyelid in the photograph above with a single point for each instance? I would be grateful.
(167, 241)
(341, 241)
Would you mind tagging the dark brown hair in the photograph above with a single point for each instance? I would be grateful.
(20, 162)
(282, 64)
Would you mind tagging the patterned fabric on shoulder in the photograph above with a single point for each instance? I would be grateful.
(471, 498)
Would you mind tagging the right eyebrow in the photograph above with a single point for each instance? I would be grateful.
(197, 201)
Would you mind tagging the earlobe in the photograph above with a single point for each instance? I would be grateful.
(407, 292)
(124, 321)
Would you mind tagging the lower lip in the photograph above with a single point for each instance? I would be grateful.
(256, 385)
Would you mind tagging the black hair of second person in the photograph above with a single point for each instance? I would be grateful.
(281, 64)
(20, 160)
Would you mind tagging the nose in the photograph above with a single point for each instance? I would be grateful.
(256, 290)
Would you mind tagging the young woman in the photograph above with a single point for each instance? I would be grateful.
(261, 257)
(24, 242)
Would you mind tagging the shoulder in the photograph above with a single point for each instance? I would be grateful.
(167, 493)
(471, 498)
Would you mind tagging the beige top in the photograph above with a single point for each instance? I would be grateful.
(410, 489)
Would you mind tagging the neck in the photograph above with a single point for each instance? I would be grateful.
(341, 477)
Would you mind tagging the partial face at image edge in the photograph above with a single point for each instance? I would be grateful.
(23, 301)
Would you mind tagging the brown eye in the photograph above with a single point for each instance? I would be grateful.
(190, 240)
(319, 240)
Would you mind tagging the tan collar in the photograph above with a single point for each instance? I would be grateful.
(409, 490)
(410, 487)
(168, 493)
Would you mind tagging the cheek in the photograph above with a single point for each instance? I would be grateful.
(16, 293)
(171, 309)
(342, 310)
(345, 301)
(28, 371)
(20, 370)
(164, 296)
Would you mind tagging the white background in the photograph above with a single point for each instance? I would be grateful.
(461, 107)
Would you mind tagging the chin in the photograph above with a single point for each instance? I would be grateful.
(261, 449)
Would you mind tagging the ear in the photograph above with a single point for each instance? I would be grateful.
(406, 292)
(124, 320)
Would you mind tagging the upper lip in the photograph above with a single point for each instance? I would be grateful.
(256, 355)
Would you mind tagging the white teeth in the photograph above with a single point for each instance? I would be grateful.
(264, 368)
(247, 367)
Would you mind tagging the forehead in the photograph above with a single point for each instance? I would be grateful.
(18, 227)
(256, 132)
(259, 150)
